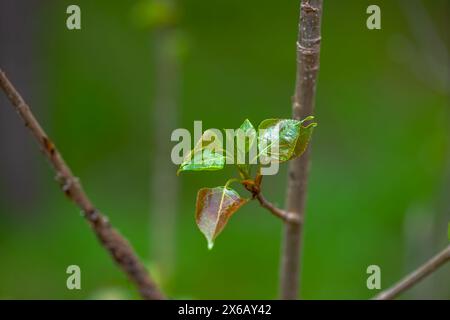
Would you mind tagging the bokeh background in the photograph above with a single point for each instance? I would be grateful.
(111, 93)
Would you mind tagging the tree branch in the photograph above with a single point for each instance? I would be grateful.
(308, 48)
(118, 247)
(254, 187)
(414, 277)
(286, 216)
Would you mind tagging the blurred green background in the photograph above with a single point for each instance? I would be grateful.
(379, 182)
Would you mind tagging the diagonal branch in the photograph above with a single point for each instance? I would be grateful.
(286, 216)
(254, 187)
(308, 51)
(117, 246)
(414, 277)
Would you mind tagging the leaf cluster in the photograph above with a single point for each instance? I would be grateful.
(277, 140)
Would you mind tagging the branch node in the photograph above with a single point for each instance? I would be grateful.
(307, 7)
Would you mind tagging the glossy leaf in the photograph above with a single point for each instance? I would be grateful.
(248, 132)
(209, 161)
(206, 156)
(303, 139)
(214, 208)
(288, 135)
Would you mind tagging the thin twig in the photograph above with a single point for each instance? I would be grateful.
(414, 277)
(118, 247)
(254, 187)
(286, 216)
(308, 49)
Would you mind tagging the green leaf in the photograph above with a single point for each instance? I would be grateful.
(304, 138)
(248, 132)
(203, 160)
(207, 155)
(291, 137)
(214, 208)
(279, 133)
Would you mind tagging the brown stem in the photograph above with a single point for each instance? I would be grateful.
(308, 48)
(118, 247)
(414, 277)
(286, 216)
(254, 187)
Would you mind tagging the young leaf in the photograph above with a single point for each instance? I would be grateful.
(210, 161)
(214, 208)
(207, 155)
(291, 137)
(279, 133)
(248, 133)
(303, 139)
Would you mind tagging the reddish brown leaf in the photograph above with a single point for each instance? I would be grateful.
(214, 208)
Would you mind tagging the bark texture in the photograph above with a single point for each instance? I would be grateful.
(308, 50)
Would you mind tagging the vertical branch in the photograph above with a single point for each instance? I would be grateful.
(113, 242)
(308, 49)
